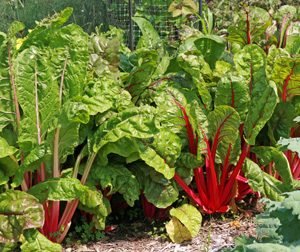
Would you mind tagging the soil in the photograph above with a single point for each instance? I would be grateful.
(217, 232)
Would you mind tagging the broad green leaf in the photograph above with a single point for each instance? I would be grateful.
(234, 92)
(18, 211)
(175, 105)
(140, 76)
(5, 149)
(118, 179)
(225, 124)
(69, 49)
(224, 69)
(211, 47)
(189, 216)
(36, 89)
(267, 154)
(138, 122)
(161, 195)
(259, 114)
(161, 154)
(260, 181)
(36, 242)
(30, 163)
(177, 232)
(58, 189)
(8, 169)
(281, 122)
(101, 96)
(124, 147)
(105, 54)
(286, 75)
(274, 54)
(252, 23)
(150, 35)
(250, 62)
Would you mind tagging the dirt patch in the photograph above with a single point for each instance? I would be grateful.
(217, 232)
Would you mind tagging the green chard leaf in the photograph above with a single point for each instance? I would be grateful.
(190, 217)
(250, 62)
(211, 47)
(150, 36)
(36, 89)
(58, 189)
(161, 154)
(118, 179)
(286, 75)
(259, 114)
(252, 23)
(225, 124)
(138, 122)
(267, 154)
(36, 242)
(18, 211)
(234, 92)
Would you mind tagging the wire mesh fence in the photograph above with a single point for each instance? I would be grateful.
(156, 11)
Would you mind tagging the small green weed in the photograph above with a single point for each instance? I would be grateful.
(85, 232)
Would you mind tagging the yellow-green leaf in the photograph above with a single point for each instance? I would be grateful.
(177, 232)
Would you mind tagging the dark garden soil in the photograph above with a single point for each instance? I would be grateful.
(217, 232)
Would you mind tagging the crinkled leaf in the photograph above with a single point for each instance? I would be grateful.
(18, 211)
(188, 216)
(118, 179)
(69, 56)
(286, 75)
(36, 88)
(161, 154)
(58, 189)
(124, 147)
(259, 114)
(138, 122)
(36, 242)
(140, 76)
(105, 54)
(225, 127)
(252, 23)
(274, 54)
(212, 48)
(161, 195)
(177, 232)
(250, 62)
(174, 108)
(234, 92)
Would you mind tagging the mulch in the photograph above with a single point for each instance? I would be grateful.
(217, 232)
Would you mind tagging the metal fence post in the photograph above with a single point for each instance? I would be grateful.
(200, 14)
(131, 38)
